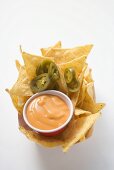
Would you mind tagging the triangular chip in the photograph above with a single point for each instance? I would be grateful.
(38, 138)
(18, 65)
(82, 94)
(77, 64)
(74, 96)
(66, 55)
(78, 130)
(79, 112)
(89, 103)
(46, 51)
(88, 75)
(18, 101)
(82, 50)
(21, 87)
(89, 132)
(31, 63)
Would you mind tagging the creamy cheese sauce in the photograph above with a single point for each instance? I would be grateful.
(47, 112)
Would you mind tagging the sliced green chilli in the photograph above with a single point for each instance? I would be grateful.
(69, 75)
(40, 83)
(53, 72)
(73, 86)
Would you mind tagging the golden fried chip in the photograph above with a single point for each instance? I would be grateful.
(89, 102)
(21, 87)
(18, 65)
(82, 50)
(62, 82)
(31, 63)
(77, 64)
(74, 96)
(18, 101)
(82, 94)
(77, 129)
(89, 132)
(79, 112)
(40, 139)
(93, 107)
(46, 51)
(66, 55)
(82, 139)
(88, 75)
(91, 91)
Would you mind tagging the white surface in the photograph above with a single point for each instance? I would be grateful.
(40, 23)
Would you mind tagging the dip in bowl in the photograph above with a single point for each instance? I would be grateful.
(48, 112)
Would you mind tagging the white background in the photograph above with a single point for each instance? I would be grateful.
(40, 23)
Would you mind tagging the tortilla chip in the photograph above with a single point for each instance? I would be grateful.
(82, 139)
(62, 56)
(18, 101)
(91, 91)
(89, 133)
(66, 55)
(82, 93)
(74, 96)
(89, 103)
(40, 139)
(62, 83)
(79, 112)
(18, 65)
(92, 107)
(78, 129)
(77, 64)
(88, 75)
(21, 87)
(82, 50)
(46, 51)
(31, 63)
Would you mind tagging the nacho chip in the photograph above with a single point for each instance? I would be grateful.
(82, 139)
(78, 130)
(91, 91)
(46, 51)
(89, 132)
(62, 55)
(82, 93)
(62, 82)
(88, 75)
(18, 65)
(66, 55)
(77, 64)
(89, 103)
(18, 101)
(31, 63)
(21, 87)
(82, 50)
(74, 96)
(40, 139)
(79, 112)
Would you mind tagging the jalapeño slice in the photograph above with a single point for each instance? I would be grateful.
(53, 72)
(73, 86)
(40, 83)
(69, 75)
(43, 67)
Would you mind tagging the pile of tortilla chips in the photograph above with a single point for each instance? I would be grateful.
(86, 109)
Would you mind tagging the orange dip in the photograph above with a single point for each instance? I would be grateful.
(47, 112)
